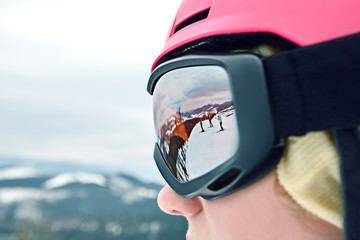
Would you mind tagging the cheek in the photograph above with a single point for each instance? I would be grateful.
(246, 214)
(233, 219)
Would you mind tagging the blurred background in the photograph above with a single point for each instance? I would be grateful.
(76, 127)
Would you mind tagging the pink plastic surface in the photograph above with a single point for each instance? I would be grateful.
(303, 22)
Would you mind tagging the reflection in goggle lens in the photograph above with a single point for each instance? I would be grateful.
(195, 120)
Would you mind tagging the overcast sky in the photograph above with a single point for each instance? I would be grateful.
(73, 76)
(189, 89)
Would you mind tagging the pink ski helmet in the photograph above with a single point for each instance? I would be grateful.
(302, 22)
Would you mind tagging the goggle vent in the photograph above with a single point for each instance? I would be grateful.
(225, 180)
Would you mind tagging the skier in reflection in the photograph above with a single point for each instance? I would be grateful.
(211, 125)
(220, 121)
(208, 116)
(176, 155)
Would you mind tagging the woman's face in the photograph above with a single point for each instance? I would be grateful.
(254, 213)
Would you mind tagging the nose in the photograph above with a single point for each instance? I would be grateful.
(172, 203)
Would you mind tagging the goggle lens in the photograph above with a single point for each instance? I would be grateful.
(195, 120)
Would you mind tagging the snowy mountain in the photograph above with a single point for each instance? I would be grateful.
(81, 205)
(206, 110)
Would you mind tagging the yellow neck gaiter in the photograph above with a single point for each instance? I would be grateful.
(309, 172)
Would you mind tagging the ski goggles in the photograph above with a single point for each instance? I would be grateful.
(221, 120)
(213, 124)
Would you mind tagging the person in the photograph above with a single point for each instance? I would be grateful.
(292, 69)
(201, 126)
(210, 123)
(220, 122)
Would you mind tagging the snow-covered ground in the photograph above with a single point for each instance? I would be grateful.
(68, 178)
(19, 194)
(19, 172)
(53, 189)
(207, 150)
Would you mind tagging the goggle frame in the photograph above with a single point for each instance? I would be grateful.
(259, 150)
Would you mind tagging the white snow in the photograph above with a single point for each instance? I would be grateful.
(17, 173)
(128, 192)
(151, 227)
(222, 145)
(67, 178)
(113, 228)
(74, 224)
(28, 210)
(16, 195)
(119, 184)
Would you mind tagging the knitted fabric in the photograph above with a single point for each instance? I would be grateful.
(309, 172)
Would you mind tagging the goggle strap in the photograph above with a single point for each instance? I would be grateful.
(315, 87)
(348, 141)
